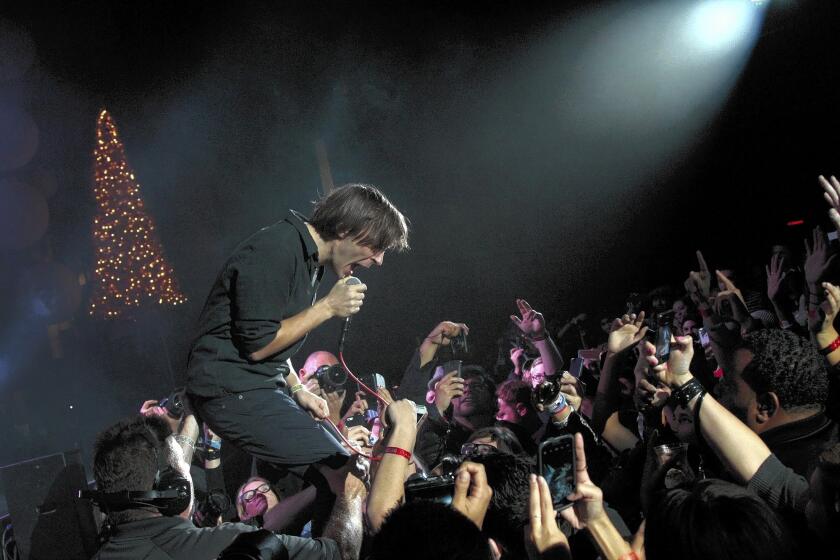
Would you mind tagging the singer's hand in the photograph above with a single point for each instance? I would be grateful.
(313, 404)
(345, 299)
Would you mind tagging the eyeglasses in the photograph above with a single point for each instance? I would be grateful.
(249, 495)
(477, 448)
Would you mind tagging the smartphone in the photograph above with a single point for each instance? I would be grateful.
(704, 337)
(663, 335)
(421, 412)
(556, 463)
(576, 367)
(452, 365)
(375, 381)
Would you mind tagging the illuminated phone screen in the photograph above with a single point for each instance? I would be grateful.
(557, 466)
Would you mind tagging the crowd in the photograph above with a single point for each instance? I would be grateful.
(703, 425)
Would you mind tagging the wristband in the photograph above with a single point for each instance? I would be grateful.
(684, 394)
(296, 388)
(214, 443)
(399, 451)
(705, 312)
(212, 454)
(831, 347)
(538, 338)
(628, 556)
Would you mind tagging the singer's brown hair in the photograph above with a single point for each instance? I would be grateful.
(362, 213)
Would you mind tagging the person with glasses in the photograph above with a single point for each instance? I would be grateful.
(457, 413)
(494, 438)
(259, 504)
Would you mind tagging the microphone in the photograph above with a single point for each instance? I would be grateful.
(352, 280)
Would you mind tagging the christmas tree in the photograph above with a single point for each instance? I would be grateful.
(130, 266)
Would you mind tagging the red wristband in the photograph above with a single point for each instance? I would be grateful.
(628, 556)
(399, 451)
(538, 338)
(705, 312)
(831, 347)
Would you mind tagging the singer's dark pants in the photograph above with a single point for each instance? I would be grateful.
(269, 425)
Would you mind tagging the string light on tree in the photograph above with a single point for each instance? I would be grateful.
(130, 266)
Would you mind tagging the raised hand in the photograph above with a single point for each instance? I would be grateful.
(345, 299)
(775, 276)
(359, 406)
(587, 497)
(699, 282)
(472, 493)
(530, 322)
(728, 287)
(679, 360)
(448, 388)
(445, 331)
(572, 389)
(831, 306)
(401, 413)
(832, 196)
(152, 408)
(816, 258)
(517, 357)
(543, 531)
(625, 332)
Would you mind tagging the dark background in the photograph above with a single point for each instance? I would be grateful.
(452, 109)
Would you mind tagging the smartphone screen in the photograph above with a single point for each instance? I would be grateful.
(704, 337)
(576, 367)
(663, 336)
(375, 381)
(557, 466)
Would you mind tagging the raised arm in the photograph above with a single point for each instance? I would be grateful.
(532, 325)
(775, 277)
(387, 489)
(625, 333)
(738, 447)
(826, 336)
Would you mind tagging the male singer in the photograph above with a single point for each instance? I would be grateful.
(261, 308)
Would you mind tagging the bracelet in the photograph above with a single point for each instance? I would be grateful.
(214, 443)
(705, 312)
(539, 338)
(628, 556)
(184, 440)
(212, 454)
(296, 388)
(684, 394)
(399, 451)
(831, 347)
(697, 406)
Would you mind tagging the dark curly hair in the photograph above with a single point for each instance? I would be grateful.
(507, 516)
(788, 365)
(714, 519)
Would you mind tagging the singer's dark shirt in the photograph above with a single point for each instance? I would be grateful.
(271, 276)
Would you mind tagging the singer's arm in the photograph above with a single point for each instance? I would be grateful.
(343, 300)
(294, 328)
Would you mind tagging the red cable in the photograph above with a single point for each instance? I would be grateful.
(351, 445)
(359, 381)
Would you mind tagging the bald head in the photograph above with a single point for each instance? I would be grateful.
(316, 360)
